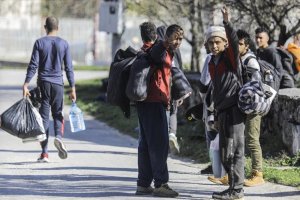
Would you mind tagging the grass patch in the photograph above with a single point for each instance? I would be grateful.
(76, 67)
(87, 93)
(284, 160)
(190, 135)
(283, 176)
(15, 68)
(277, 173)
(91, 68)
(192, 140)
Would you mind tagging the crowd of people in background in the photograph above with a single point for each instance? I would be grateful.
(228, 129)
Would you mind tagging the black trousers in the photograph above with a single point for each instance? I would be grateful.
(52, 98)
(153, 144)
(231, 131)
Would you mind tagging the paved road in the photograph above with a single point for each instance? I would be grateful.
(102, 164)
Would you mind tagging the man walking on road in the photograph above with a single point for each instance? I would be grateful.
(49, 52)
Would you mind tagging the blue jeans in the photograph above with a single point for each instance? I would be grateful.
(214, 154)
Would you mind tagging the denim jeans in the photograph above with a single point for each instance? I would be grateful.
(214, 154)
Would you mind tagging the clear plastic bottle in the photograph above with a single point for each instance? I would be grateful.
(269, 79)
(76, 118)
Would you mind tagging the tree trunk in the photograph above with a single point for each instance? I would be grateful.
(283, 36)
(196, 56)
(196, 30)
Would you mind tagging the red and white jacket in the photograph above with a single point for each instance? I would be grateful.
(160, 83)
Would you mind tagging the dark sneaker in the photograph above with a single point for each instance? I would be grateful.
(165, 191)
(144, 190)
(62, 151)
(43, 158)
(229, 194)
(207, 170)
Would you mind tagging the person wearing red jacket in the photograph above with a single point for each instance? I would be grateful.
(154, 138)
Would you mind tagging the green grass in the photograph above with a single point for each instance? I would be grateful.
(275, 172)
(278, 166)
(87, 93)
(16, 68)
(76, 67)
(283, 176)
(91, 68)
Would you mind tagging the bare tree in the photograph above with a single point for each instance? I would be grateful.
(70, 8)
(13, 6)
(59, 8)
(280, 18)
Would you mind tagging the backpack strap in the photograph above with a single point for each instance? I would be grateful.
(247, 59)
(240, 72)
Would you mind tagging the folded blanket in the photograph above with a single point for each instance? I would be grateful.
(256, 98)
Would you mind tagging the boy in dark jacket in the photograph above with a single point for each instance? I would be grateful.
(154, 138)
(224, 69)
(272, 56)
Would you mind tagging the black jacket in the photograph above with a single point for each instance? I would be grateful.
(118, 77)
(225, 75)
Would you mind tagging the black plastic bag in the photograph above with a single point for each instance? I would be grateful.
(22, 120)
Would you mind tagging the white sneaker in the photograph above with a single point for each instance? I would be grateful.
(62, 151)
(38, 138)
(43, 158)
(174, 147)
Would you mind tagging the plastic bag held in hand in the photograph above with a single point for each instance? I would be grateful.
(22, 120)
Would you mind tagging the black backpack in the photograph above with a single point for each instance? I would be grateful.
(266, 69)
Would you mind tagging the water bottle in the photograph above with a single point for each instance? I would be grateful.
(256, 76)
(269, 79)
(76, 118)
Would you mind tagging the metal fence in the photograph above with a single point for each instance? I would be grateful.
(16, 41)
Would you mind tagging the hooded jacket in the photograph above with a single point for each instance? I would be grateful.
(224, 75)
(118, 77)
